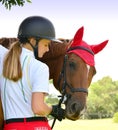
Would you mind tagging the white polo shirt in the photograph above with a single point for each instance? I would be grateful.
(3, 51)
(16, 96)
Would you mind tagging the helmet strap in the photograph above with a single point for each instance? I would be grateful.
(31, 45)
(35, 48)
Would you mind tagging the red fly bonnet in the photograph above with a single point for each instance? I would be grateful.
(85, 51)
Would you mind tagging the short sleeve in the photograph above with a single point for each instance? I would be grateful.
(40, 78)
(3, 51)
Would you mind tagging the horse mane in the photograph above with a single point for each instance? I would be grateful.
(7, 41)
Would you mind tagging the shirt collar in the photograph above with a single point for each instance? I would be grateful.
(29, 52)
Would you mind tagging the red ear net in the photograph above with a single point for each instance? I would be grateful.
(97, 48)
(85, 55)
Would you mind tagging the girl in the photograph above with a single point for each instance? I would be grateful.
(24, 80)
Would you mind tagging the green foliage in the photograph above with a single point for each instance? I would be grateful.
(102, 99)
(51, 81)
(52, 99)
(115, 117)
(9, 3)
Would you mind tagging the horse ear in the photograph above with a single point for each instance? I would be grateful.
(78, 37)
(99, 47)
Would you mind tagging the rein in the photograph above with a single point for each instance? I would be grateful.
(63, 75)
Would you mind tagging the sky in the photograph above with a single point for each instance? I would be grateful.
(99, 18)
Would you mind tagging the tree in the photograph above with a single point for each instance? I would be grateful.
(115, 117)
(9, 3)
(102, 98)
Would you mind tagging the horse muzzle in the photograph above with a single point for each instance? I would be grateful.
(74, 108)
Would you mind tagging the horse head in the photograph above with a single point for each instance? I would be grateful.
(77, 72)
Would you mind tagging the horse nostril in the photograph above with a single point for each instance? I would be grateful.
(76, 108)
(73, 107)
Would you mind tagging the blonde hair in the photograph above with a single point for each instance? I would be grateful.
(12, 67)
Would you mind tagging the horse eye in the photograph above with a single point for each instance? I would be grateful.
(72, 65)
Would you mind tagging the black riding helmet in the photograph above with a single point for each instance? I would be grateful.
(37, 27)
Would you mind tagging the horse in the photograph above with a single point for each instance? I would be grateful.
(72, 67)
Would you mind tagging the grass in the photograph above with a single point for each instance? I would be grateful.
(100, 124)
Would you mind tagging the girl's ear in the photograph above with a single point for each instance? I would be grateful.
(32, 41)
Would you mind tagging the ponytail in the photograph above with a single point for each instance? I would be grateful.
(12, 67)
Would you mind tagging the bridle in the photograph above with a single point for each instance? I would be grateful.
(63, 76)
(63, 72)
(65, 83)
